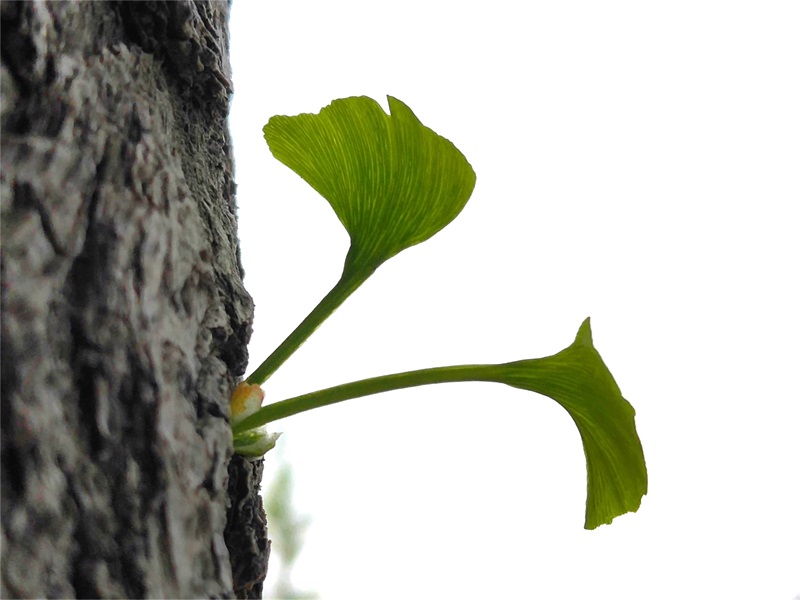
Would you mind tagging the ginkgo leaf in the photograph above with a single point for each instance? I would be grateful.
(392, 181)
(578, 379)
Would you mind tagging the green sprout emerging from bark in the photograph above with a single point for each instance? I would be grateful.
(394, 183)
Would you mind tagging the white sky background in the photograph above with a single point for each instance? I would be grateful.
(638, 163)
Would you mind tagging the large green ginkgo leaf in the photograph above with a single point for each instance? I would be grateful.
(392, 181)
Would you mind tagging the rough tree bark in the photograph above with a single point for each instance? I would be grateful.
(124, 316)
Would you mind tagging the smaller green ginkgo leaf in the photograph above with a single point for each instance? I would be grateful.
(578, 379)
(392, 181)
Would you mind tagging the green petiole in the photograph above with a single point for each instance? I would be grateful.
(332, 300)
(364, 387)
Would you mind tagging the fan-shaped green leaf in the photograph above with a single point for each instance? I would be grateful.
(578, 379)
(392, 181)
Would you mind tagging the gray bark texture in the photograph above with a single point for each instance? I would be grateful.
(124, 317)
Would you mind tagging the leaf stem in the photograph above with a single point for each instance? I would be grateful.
(346, 285)
(365, 387)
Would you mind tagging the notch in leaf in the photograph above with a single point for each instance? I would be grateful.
(392, 181)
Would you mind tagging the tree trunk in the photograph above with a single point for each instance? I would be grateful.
(124, 316)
